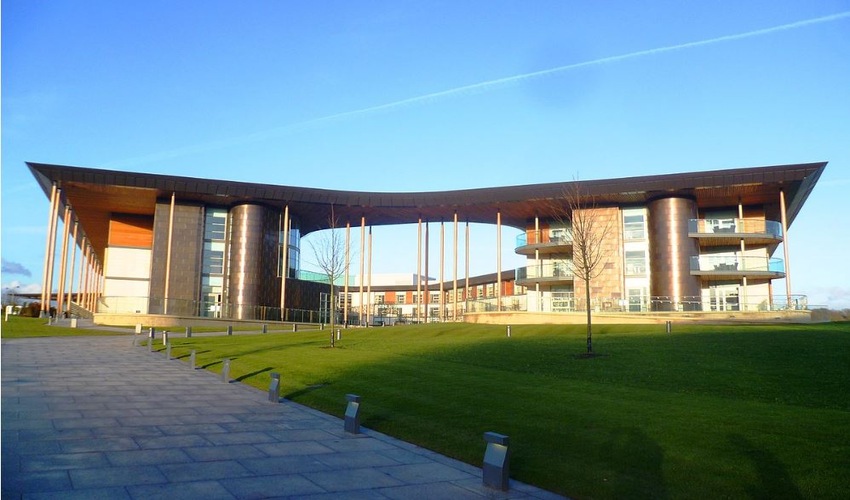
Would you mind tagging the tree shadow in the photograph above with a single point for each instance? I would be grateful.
(773, 479)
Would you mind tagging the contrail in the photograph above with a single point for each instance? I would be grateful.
(476, 87)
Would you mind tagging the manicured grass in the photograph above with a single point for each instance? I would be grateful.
(733, 411)
(19, 327)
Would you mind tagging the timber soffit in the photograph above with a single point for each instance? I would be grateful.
(517, 203)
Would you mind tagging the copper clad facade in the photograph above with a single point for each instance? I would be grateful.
(670, 251)
(253, 259)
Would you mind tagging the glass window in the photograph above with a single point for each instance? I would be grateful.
(636, 263)
(634, 225)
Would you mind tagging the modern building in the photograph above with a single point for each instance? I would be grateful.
(180, 246)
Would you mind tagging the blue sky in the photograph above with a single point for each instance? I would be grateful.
(429, 95)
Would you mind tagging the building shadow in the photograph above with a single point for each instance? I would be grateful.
(637, 461)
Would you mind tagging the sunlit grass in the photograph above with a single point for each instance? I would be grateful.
(733, 411)
(19, 327)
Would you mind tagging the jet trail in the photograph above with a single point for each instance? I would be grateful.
(476, 87)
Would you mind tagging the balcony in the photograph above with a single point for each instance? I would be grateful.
(718, 232)
(733, 267)
(546, 242)
(552, 273)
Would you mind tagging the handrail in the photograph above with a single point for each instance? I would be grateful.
(736, 225)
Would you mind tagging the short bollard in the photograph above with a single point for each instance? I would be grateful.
(274, 388)
(669, 326)
(497, 458)
(225, 371)
(352, 414)
(338, 335)
(230, 329)
(73, 322)
(265, 328)
(192, 360)
(168, 351)
(294, 327)
(152, 333)
(151, 337)
(165, 337)
(188, 332)
(138, 328)
(509, 331)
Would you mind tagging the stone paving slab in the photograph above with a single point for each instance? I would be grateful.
(95, 417)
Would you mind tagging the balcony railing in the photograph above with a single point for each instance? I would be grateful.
(550, 272)
(722, 264)
(546, 241)
(728, 227)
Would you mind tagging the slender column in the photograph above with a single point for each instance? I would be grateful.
(362, 264)
(419, 271)
(168, 254)
(92, 281)
(73, 263)
(369, 312)
(63, 261)
(284, 272)
(499, 260)
(99, 285)
(84, 269)
(442, 304)
(744, 299)
(539, 264)
(47, 281)
(466, 272)
(427, 297)
(454, 278)
(785, 248)
(347, 266)
(87, 284)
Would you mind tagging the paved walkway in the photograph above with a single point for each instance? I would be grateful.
(95, 417)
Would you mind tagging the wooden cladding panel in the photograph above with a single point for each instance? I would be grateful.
(131, 231)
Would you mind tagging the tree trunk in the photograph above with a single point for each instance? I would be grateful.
(589, 328)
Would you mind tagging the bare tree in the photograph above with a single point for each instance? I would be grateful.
(589, 227)
(329, 251)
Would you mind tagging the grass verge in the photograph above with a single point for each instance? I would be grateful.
(732, 411)
(18, 327)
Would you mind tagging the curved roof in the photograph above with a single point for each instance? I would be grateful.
(95, 193)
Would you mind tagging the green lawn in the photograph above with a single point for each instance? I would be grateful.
(733, 411)
(19, 327)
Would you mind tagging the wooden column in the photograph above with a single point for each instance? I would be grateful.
(168, 255)
(362, 265)
(47, 276)
(454, 278)
(73, 263)
(419, 271)
(63, 261)
(499, 260)
(284, 272)
(347, 271)
(785, 249)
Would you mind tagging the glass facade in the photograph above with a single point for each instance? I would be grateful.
(213, 261)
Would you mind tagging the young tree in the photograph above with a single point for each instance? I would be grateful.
(590, 228)
(329, 251)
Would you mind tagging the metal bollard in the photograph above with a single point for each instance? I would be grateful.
(497, 458)
(225, 371)
(265, 328)
(151, 337)
(274, 388)
(192, 360)
(165, 337)
(138, 328)
(168, 351)
(352, 414)
(294, 327)
(338, 335)
(669, 326)
(509, 331)
(188, 332)
(230, 329)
